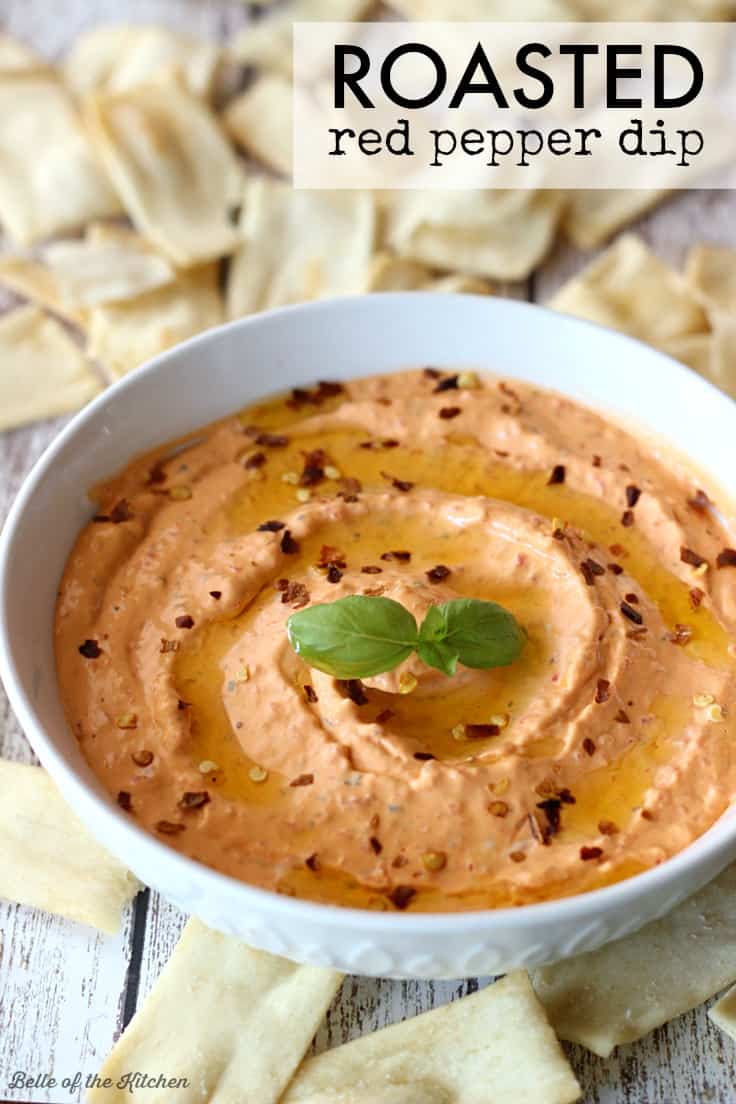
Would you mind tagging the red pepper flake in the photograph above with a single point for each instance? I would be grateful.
(194, 799)
(120, 512)
(375, 845)
(294, 594)
(142, 758)
(157, 473)
(588, 746)
(517, 856)
(627, 519)
(726, 558)
(328, 389)
(402, 896)
(622, 717)
(432, 373)
(424, 756)
(255, 460)
(334, 574)
(312, 861)
(371, 569)
(699, 501)
(401, 557)
(481, 731)
(184, 622)
(281, 584)
(125, 801)
(181, 705)
(399, 861)
(603, 691)
(557, 475)
(587, 572)
(350, 488)
(267, 440)
(607, 828)
(551, 808)
(615, 569)
(300, 397)
(632, 598)
(310, 694)
(681, 634)
(558, 534)
(448, 412)
(596, 461)
(354, 690)
(589, 853)
(693, 558)
(169, 827)
(565, 796)
(328, 554)
(618, 550)
(374, 591)
(168, 646)
(216, 594)
(288, 545)
(399, 484)
(302, 780)
(696, 597)
(314, 468)
(390, 443)
(647, 815)
(384, 716)
(631, 613)
(90, 649)
(438, 573)
(449, 383)
(633, 494)
(271, 526)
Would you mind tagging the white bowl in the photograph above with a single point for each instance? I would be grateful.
(220, 371)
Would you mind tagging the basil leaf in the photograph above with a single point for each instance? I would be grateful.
(437, 653)
(482, 634)
(354, 637)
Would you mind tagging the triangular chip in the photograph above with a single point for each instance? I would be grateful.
(498, 234)
(260, 121)
(125, 334)
(172, 166)
(33, 280)
(50, 179)
(87, 272)
(48, 859)
(630, 289)
(116, 57)
(723, 1013)
(493, 1045)
(231, 1022)
(624, 990)
(299, 245)
(42, 372)
(594, 215)
(267, 44)
(710, 271)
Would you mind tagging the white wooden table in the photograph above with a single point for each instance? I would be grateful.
(66, 993)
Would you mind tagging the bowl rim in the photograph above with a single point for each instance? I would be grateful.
(594, 902)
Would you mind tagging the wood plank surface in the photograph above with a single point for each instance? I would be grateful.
(65, 991)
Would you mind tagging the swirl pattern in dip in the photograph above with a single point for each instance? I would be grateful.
(604, 750)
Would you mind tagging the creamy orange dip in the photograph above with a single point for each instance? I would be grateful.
(605, 749)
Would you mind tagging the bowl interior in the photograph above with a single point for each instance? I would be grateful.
(225, 369)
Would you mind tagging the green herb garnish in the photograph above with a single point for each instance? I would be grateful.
(360, 636)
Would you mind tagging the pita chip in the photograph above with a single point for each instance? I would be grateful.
(50, 179)
(628, 988)
(125, 334)
(232, 1022)
(48, 859)
(172, 166)
(596, 214)
(89, 272)
(259, 120)
(33, 280)
(493, 1045)
(710, 270)
(299, 245)
(43, 373)
(497, 234)
(630, 289)
(723, 1013)
(267, 44)
(117, 57)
